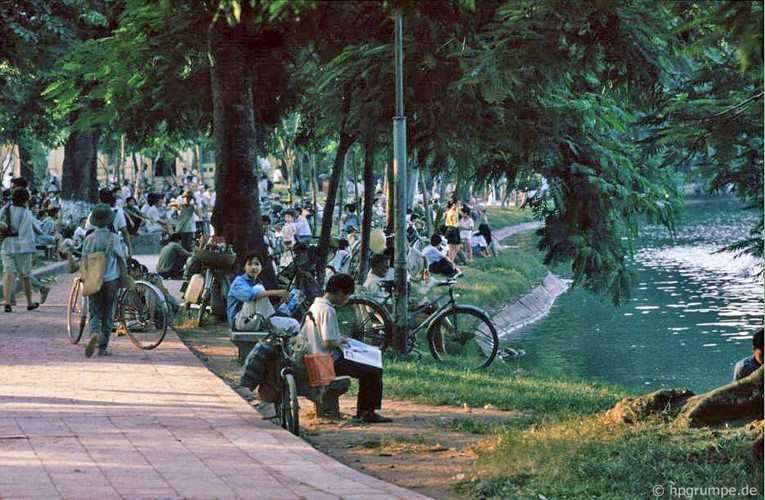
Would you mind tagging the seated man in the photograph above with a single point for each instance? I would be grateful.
(380, 270)
(247, 302)
(437, 261)
(747, 366)
(172, 258)
(322, 332)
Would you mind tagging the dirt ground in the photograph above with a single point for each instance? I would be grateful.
(427, 449)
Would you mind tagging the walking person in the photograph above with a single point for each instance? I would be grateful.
(18, 247)
(452, 223)
(102, 302)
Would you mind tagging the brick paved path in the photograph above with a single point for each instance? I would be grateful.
(142, 424)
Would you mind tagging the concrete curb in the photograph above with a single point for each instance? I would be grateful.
(51, 269)
(531, 307)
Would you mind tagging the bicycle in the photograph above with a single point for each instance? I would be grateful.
(286, 406)
(455, 332)
(141, 313)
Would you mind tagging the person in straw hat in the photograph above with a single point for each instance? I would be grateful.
(102, 303)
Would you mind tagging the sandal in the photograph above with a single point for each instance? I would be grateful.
(33, 306)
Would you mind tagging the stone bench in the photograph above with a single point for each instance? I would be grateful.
(245, 341)
(326, 399)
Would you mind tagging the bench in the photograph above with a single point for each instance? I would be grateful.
(326, 399)
(245, 341)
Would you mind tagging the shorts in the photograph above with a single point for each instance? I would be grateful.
(453, 236)
(19, 264)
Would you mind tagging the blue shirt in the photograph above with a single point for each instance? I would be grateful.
(242, 290)
(744, 368)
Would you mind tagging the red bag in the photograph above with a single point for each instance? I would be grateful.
(321, 369)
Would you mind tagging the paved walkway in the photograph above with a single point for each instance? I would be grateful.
(142, 424)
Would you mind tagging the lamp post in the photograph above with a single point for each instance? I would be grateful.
(399, 191)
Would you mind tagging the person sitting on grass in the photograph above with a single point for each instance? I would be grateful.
(479, 245)
(341, 257)
(747, 366)
(380, 270)
(437, 262)
(247, 303)
(322, 333)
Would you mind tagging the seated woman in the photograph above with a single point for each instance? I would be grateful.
(247, 302)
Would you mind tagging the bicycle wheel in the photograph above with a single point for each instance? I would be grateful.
(144, 313)
(289, 410)
(76, 312)
(463, 336)
(367, 321)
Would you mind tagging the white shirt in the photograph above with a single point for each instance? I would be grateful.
(432, 254)
(301, 227)
(338, 261)
(477, 240)
(323, 327)
(118, 224)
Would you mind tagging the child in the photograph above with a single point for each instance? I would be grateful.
(289, 230)
(248, 298)
(103, 302)
(322, 332)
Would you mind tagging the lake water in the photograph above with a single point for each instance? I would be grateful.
(690, 318)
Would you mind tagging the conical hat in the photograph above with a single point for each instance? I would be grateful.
(377, 241)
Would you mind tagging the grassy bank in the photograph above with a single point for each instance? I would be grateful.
(491, 283)
(502, 217)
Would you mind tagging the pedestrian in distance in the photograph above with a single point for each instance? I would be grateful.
(102, 303)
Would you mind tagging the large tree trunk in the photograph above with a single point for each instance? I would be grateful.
(740, 401)
(236, 214)
(79, 181)
(27, 170)
(370, 145)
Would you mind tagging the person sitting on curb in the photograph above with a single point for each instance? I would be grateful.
(437, 262)
(247, 303)
(102, 303)
(322, 333)
(747, 366)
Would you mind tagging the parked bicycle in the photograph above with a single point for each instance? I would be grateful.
(457, 334)
(141, 313)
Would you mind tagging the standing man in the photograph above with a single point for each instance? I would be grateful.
(18, 247)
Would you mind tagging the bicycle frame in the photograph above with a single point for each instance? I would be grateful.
(427, 322)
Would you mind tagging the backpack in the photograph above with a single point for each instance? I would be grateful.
(6, 229)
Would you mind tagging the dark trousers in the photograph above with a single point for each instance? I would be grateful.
(443, 266)
(102, 311)
(187, 241)
(370, 383)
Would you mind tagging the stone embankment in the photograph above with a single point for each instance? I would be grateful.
(536, 304)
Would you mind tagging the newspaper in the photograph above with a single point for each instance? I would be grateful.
(363, 353)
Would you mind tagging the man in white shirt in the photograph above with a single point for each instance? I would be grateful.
(302, 229)
(322, 332)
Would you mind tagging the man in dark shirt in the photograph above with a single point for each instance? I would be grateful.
(172, 258)
(747, 366)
